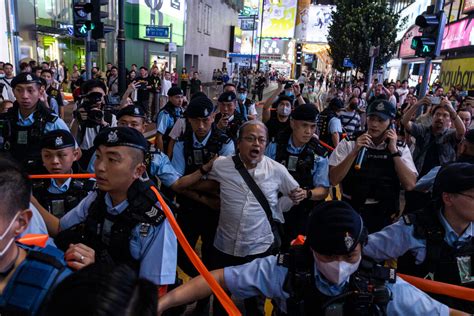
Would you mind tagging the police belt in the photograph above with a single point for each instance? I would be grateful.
(368, 201)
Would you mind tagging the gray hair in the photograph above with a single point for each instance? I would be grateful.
(251, 123)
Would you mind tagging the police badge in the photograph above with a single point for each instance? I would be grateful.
(380, 107)
(59, 141)
(112, 137)
(348, 241)
(136, 111)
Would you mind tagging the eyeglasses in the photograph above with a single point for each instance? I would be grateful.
(252, 139)
(468, 195)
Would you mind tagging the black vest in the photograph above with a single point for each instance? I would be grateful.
(323, 126)
(109, 235)
(234, 125)
(23, 142)
(300, 165)
(61, 203)
(377, 179)
(441, 259)
(196, 157)
(366, 293)
(171, 110)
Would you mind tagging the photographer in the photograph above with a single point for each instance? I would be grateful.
(91, 116)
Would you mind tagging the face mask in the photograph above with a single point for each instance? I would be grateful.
(289, 93)
(284, 111)
(2, 76)
(337, 272)
(4, 250)
(242, 96)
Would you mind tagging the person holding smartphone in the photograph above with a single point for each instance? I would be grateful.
(372, 167)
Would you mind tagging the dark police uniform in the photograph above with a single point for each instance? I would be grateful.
(54, 93)
(134, 232)
(298, 287)
(427, 246)
(307, 164)
(325, 122)
(168, 116)
(235, 121)
(189, 155)
(20, 136)
(59, 199)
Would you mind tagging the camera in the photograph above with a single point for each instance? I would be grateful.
(89, 103)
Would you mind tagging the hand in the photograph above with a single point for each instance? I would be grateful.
(391, 135)
(83, 113)
(426, 100)
(78, 256)
(297, 195)
(448, 106)
(296, 89)
(223, 122)
(132, 86)
(208, 166)
(364, 140)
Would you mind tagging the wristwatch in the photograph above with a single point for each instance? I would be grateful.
(396, 154)
(309, 194)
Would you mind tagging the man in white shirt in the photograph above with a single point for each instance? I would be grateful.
(244, 231)
(7, 81)
(402, 92)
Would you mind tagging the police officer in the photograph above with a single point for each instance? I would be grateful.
(168, 117)
(307, 162)
(228, 119)
(52, 92)
(371, 165)
(59, 156)
(325, 276)
(120, 221)
(246, 107)
(329, 124)
(27, 274)
(201, 142)
(26, 122)
(436, 242)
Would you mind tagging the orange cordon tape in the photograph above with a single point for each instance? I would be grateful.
(63, 176)
(224, 299)
(221, 295)
(436, 287)
(326, 145)
(34, 240)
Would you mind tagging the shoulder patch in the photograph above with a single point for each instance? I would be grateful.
(407, 219)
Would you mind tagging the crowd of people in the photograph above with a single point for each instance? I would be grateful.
(312, 197)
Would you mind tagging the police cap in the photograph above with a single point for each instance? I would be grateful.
(121, 136)
(335, 228)
(131, 110)
(174, 91)
(383, 109)
(305, 112)
(199, 107)
(57, 139)
(25, 78)
(454, 178)
(227, 97)
(336, 104)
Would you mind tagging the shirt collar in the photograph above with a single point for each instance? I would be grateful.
(115, 210)
(198, 144)
(292, 148)
(451, 237)
(63, 187)
(25, 121)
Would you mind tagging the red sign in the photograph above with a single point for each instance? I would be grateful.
(405, 49)
(468, 6)
(459, 34)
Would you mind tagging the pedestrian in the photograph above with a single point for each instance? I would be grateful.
(350, 118)
(143, 90)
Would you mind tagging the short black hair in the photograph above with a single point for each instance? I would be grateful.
(143, 67)
(87, 86)
(24, 65)
(15, 187)
(47, 70)
(134, 65)
(114, 67)
(7, 64)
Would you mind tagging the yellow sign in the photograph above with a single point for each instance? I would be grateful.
(457, 72)
(279, 18)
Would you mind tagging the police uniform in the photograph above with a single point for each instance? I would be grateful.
(373, 190)
(427, 246)
(59, 199)
(21, 136)
(134, 232)
(235, 121)
(36, 276)
(329, 123)
(298, 286)
(54, 94)
(246, 106)
(307, 164)
(168, 116)
(189, 155)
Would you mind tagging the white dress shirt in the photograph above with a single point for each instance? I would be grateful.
(243, 227)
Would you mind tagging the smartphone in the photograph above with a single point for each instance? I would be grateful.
(435, 100)
(463, 93)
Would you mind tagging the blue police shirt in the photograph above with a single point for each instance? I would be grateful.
(264, 276)
(320, 170)
(178, 160)
(335, 125)
(55, 188)
(426, 182)
(37, 226)
(28, 121)
(165, 120)
(381, 245)
(157, 252)
(53, 105)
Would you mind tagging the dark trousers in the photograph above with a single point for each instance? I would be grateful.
(145, 106)
(196, 220)
(375, 216)
(254, 305)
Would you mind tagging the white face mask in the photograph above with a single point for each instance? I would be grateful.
(337, 272)
(284, 110)
(4, 250)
